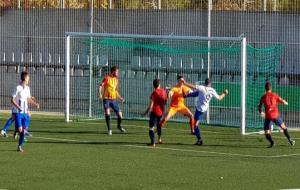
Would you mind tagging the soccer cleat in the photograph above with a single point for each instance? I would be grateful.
(16, 135)
(3, 133)
(292, 142)
(109, 132)
(20, 149)
(199, 142)
(160, 141)
(27, 134)
(151, 145)
(122, 130)
(271, 145)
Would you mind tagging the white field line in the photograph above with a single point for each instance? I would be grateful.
(178, 150)
(182, 130)
(212, 152)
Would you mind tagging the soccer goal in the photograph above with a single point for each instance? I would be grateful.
(142, 58)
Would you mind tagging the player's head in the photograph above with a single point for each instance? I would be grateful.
(25, 77)
(156, 83)
(114, 71)
(207, 82)
(268, 86)
(180, 79)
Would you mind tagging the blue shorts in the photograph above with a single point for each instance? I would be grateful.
(113, 104)
(198, 115)
(268, 123)
(154, 120)
(21, 120)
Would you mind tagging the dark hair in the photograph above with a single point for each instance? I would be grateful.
(207, 82)
(268, 86)
(24, 74)
(179, 77)
(113, 69)
(156, 83)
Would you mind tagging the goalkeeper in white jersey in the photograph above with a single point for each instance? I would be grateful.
(203, 94)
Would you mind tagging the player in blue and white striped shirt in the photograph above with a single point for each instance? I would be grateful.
(203, 94)
(20, 99)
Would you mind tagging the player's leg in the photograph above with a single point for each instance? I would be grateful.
(27, 134)
(197, 118)
(280, 123)
(18, 123)
(115, 106)
(119, 121)
(7, 125)
(267, 129)
(16, 132)
(171, 112)
(151, 129)
(186, 112)
(107, 115)
(158, 127)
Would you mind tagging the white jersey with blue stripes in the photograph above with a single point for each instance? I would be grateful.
(205, 95)
(21, 95)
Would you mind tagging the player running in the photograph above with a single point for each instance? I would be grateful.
(108, 92)
(20, 100)
(270, 101)
(177, 94)
(203, 93)
(9, 123)
(158, 100)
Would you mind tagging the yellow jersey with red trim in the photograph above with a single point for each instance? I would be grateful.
(177, 95)
(110, 85)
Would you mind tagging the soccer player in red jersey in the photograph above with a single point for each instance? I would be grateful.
(158, 100)
(270, 101)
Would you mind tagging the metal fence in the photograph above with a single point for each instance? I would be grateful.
(33, 39)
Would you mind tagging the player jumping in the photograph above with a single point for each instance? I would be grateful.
(203, 93)
(270, 101)
(108, 92)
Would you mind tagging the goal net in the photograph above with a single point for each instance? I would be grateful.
(229, 62)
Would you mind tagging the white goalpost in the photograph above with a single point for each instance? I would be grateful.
(141, 58)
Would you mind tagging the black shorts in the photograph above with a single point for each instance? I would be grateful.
(268, 123)
(154, 120)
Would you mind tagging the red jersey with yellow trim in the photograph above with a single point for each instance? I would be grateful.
(110, 85)
(270, 101)
(177, 99)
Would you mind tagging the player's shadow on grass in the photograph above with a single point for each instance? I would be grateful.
(63, 132)
(86, 132)
(88, 142)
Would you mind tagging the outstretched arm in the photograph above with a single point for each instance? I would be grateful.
(189, 84)
(222, 96)
(283, 101)
(192, 94)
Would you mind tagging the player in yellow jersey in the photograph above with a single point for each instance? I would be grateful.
(108, 92)
(177, 94)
